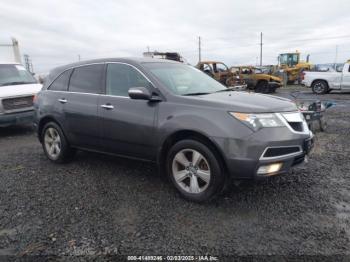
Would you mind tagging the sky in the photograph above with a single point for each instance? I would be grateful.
(55, 32)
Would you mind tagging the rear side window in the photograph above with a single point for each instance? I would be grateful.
(87, 79)
(121, 77)
(61, 82)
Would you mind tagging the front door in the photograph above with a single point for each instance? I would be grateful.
(127, 124)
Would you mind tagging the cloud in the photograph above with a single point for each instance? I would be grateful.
(56, 32)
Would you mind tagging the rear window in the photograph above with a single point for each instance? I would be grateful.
(87, 79)
(61, 83)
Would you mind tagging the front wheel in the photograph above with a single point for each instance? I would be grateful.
(55, 144)
(194, 170)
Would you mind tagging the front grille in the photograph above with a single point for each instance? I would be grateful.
(17, 103)
(297, 126)
(281, 151)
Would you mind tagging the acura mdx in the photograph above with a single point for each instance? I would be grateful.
(200, 133)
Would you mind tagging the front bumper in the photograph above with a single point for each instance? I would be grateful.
(16, 118)
(244, 157)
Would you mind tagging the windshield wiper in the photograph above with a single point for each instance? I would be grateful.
(197, 94)
(225, 90)
(16, 83)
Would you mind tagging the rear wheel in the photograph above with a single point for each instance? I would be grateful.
(194, 170)
(55, 144)
(319, 87)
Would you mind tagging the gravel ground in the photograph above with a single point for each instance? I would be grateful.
(100, 204)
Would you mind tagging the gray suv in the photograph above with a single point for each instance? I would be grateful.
(200, 133)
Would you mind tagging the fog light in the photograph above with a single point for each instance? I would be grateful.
(272, 168)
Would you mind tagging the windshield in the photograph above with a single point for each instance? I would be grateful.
(184, 79)
(289, 59)
(15, 75)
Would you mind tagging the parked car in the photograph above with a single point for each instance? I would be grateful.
(17, 89)
(256, 79)
(324, 82)
(200, 133)
(219, 71)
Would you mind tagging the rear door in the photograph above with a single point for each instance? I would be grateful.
(80, 105)
(52, 104)
(346, 77)
(128, 124)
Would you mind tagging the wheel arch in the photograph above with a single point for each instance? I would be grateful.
(44, 121)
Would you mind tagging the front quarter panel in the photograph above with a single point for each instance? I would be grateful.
(209, 122)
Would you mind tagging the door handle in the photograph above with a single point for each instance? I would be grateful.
(107, 106)
(62, 100)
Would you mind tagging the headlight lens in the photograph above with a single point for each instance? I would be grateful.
(258, 121)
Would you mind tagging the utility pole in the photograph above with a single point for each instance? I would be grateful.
(78, 57)
(199, 49)
(148, 49)
(261, 44)
(28, 63)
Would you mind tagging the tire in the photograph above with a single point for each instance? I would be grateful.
(262, 87)
(198, 181)
(319, 87)
(52, 138)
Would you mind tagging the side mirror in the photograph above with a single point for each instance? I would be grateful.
(140, 93)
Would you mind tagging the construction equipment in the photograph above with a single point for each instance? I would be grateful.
(219, 71)
(291, 64)
(256, 79)
(165, 55)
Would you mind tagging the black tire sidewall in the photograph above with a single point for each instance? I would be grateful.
(262, 87)
(320, 82)
(217, 175)
(65, 149)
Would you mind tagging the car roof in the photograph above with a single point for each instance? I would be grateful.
(129, 60)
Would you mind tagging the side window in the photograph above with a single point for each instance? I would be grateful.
(61, 82)
(121, 77)
(221, 67)
(87, 79)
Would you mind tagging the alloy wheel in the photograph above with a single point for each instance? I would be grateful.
(52, 142)
(191, 171)
(319, 88)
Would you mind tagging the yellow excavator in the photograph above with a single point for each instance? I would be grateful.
(291, 64)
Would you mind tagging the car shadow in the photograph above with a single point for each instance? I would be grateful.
(19, 130)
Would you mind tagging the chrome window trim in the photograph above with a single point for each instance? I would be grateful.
(281, 156)
(93, 94)
(100, 63)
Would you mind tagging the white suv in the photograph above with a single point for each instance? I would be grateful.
(17, 90)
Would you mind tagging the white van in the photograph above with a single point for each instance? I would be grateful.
(17, 90)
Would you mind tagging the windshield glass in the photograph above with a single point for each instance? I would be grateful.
(289, 59)
(15, 75)
(258, 71)
(183, 79)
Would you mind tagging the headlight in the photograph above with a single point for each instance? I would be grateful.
(258, 121)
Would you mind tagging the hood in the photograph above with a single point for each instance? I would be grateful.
(245, 102)
(19, 90)
(275, 78)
